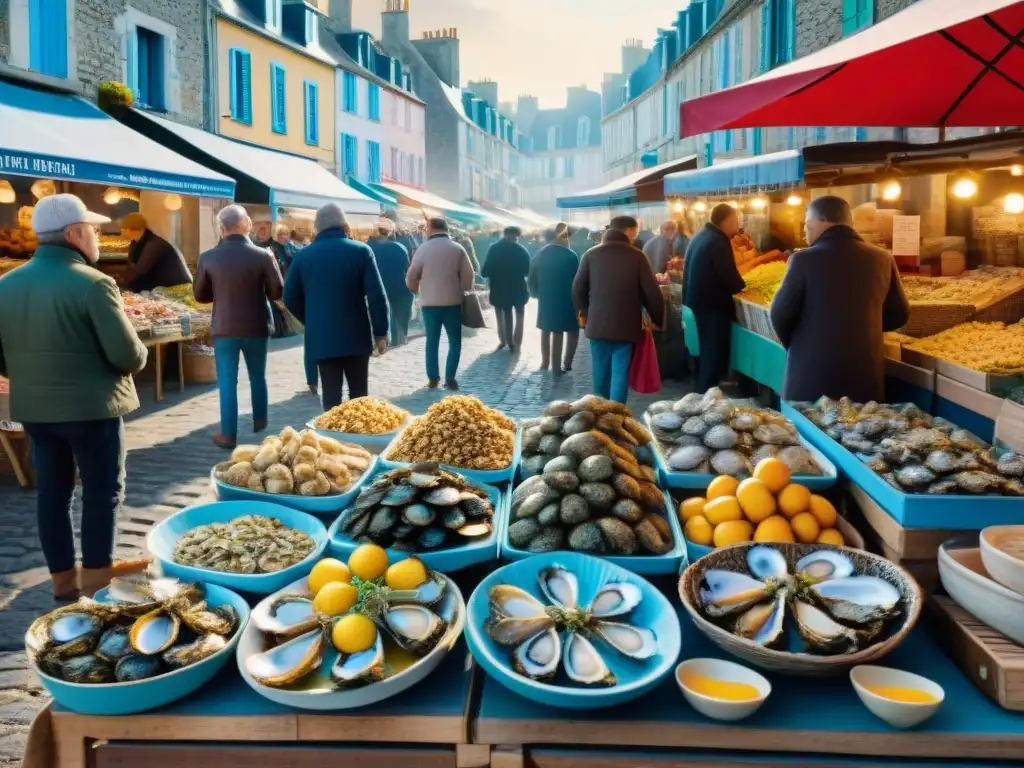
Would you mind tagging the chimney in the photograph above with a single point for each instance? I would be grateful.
(485, 89)
(395, 23)
(339, 16)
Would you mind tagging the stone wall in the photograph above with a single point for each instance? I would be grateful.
(819, 23)
(886, 8)
(5, 33)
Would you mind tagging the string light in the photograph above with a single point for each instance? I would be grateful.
(965, 188)
(1017, 170)
(172, 202)
(700, 206)
(112, 196)
(6, 192)
(734, 204)
(1014, 203)
(758, 203)
(892, 191)
(794, 200)
(678, 207)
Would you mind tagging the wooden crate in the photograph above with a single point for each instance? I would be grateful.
(993, 662)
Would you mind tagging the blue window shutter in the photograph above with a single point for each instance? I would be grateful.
(767, 60)
(789, 25)
(131, 44)
(312, 113)
(157, 83)
(865, 14)
(349, 95)
(233, 85)
(758, 139)
(48, 37)
(278, 103)
(246, 87)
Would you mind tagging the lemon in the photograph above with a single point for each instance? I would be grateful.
(755, 500)
(722, 509)
(831, 536)
(774, 529)
(699, 531)
(772, 472)
(805, 528)
(733, 532)
(335, 598)
(793, 500)
(326, 571)
(368, 562)
(353, 633)
(692, 507)
(408, 574)
(823, 510)
(723, 485)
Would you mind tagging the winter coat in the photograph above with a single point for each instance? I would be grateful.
(659, 250)
(551, 275)
(506, 269)
(836, 300)
(710, 276)
(335, 290)
(614, 285)
(238, 278)
(393, 265)
(440, 272)
(154, 263)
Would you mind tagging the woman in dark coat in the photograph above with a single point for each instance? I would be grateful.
(551, 275)
(506, 269)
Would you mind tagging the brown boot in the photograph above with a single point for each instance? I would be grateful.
(95, 579)
(65, 585)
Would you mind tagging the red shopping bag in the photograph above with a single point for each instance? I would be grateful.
(644, 376)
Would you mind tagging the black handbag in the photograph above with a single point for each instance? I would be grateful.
(472, 314)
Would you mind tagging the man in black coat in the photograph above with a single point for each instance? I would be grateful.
(153, 262)
(710, 280)
(506, 269)
(836, 300)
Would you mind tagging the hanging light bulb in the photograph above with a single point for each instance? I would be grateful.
(965, 188)
(700, 206)
(112, 196)
(758, 203)
(794, 200)
(1017, 170)
(1013, 203)
(7, 194)
(172, 202)
(734, 204)
(678, 207)
(43, 188)
(892, 191)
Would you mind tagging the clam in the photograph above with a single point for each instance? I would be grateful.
(474, 530)
(723, 593)
(285, 616)
(288, 662)
(88, 670)
(824, 565)
(136, 667)
(114, 644)
(537, 657)
(821, 632)
(583, 663)
(191, 653)
(767, 563)
(72, 633)
(454, 518)
(418, 514)
(635, 642)
(414, 627)
(443, 497)
(155, 632)
(422, 480)
(398, 496)
(360, 668)
(857, 600)
(615, 599)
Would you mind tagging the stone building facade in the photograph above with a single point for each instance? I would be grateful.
(820, 22)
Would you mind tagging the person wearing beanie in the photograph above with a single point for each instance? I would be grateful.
(70, 352)
(153, 262)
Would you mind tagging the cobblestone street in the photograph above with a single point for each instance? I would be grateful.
(170, 455)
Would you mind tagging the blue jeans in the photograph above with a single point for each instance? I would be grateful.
(254, 350)
(312, 374)
(97, 448)
(450, 319)
(611, 368)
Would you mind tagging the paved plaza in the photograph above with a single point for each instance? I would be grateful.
(170, 456)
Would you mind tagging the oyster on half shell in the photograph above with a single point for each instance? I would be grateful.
(537, 657)
(414, 627)
(359, 668)
(583, 662)
(290, 661)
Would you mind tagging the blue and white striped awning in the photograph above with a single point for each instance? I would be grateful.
(779, 169)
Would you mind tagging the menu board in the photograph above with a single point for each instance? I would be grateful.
(906, 236)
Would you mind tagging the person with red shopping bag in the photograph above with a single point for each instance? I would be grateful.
(644, 374)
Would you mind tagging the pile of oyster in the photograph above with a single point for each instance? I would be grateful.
(248, 544)
(299, 647)
(624, 438)
(419, 509)
(916, 452)
(562, 633)
(833, 609)
(156, 627)
(710, 434)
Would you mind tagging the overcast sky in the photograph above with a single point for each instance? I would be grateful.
(538, 47)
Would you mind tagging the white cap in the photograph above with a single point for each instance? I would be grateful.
(55, 212)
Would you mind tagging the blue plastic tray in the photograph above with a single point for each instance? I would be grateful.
(482, 550)
(697, 480)
(143, 695)
(479, 476)
(634, 678)
(912, 510)
(321, 506)
(373, 443)
(165, 535)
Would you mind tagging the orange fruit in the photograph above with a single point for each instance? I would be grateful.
(723, 485)
(326, 571)
(755, 500)
(794, 499)
(699, 531)
(723, 509)
(823, 510)
(691, 508)
(805, 528)
(772, 472)
(774, 529)
(368, 562)
(733, 532)
(831, 536)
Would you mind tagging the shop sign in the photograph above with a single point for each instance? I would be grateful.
(43, 166)
(906, 240)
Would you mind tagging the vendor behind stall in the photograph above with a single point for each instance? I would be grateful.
(153, 262)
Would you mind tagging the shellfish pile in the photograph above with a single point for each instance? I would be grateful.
(915, 452)
(833, 609)
(610, 422)
(710, 434)
(363, 416)
(544, 638)
(421, 509)
(249, 544)
(302, 463)
(156, 627)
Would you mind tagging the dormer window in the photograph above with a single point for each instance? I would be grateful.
(273, 14)
(311, 27)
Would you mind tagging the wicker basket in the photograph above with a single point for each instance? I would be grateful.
(756, 318)
(199, 369)
(927, 319)
(1008, 308)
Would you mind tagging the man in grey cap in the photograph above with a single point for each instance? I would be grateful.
(70, 352)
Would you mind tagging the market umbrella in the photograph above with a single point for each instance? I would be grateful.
(937, 63)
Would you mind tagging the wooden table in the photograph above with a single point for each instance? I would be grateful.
(159, 343)
(803, 720)
(425, 727)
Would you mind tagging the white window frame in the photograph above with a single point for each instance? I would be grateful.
(274, 8)
(18, 40)
(125, 27)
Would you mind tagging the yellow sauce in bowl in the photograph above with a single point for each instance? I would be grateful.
(725, 690)
(902, 695)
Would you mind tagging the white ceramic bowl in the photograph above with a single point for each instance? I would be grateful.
(1002, 552)
(726, 671)
(965, 579)
(899, 714)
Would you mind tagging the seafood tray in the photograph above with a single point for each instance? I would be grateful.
(911, 510)
(373, 443)
(479, 476)
(483, 549)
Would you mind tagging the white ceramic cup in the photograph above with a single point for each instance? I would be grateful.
(899, 714)
(726, 671)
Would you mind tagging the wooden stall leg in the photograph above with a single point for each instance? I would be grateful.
(69, 744)
(181, 366)
(472, 755)
(507, 757)
(159, 372)
(15, 457)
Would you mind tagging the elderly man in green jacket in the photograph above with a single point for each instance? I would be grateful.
(70, 352)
